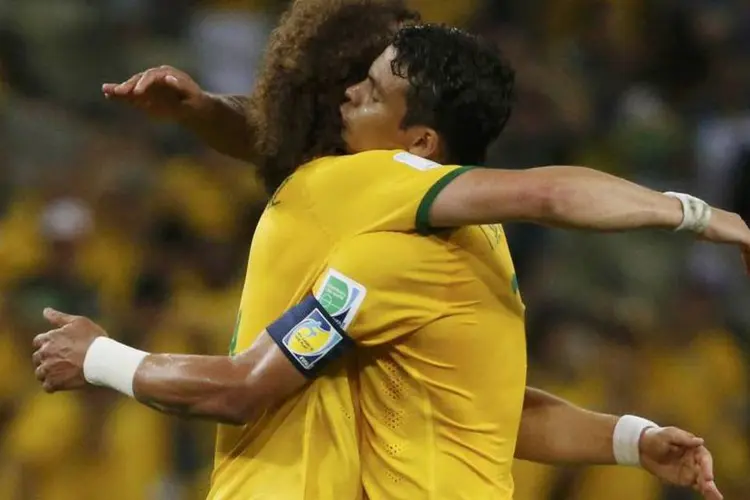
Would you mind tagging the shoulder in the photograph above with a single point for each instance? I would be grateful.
(388, 256)
(369, 163)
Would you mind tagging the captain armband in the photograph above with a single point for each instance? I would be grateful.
(309, 337)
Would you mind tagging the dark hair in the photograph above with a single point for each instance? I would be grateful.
(459, 85)
(320, 48)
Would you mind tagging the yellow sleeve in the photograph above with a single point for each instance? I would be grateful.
(378, 288)
(380, 191)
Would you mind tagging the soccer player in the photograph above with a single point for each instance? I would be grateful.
(375, 309)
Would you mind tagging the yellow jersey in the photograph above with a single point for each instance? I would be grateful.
(308, 448)
(441, 361)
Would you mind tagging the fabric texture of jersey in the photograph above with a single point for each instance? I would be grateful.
(442, 362)
(308, 448)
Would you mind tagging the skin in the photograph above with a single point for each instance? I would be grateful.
(552, 430)
(166, 93)
(551, 426)
(233, 389)
(559, 196)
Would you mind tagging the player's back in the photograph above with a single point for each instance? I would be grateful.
(308, 447)
(441, 405)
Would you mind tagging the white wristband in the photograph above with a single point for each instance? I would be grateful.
(627, 438)
(696, 213)
(112, 364)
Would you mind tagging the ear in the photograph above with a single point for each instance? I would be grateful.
(425, 142)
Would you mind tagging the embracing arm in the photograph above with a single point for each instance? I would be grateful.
(577, 197)
(556, 431)
(223, 388)
(164, 92)
(222, 122)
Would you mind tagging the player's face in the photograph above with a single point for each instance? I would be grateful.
(374, 111)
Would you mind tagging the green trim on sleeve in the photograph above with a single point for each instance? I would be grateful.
(422, 223)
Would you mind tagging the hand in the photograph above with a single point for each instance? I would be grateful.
(678, 457)
(59, 353)
(163, 92)
(728, 227)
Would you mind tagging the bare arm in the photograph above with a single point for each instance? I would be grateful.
(554, 431)
(227, 389)
(222, 388)
(222, 122)
(164, 92)
(572, 197)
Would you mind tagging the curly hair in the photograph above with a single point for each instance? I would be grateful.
(458, 84)
(320, 48)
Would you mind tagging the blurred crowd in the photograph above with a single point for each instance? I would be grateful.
(138, 226)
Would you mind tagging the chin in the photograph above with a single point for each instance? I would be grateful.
(348, 144)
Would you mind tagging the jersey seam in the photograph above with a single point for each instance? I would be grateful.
(422, 219)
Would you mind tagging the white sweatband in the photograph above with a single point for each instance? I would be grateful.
(111, 364)
(696, 213)
(627, 438)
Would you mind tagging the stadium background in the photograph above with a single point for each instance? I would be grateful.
(105, 214)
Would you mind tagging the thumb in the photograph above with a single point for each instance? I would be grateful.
(58, 318)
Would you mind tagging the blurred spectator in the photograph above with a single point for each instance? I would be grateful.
(64, 225)
(228, 37)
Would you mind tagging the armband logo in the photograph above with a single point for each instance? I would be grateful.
(341, 297)
(311, 339)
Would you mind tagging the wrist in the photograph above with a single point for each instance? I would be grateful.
(199, 111)
(109, 363)
(696, 213)
(626, 439)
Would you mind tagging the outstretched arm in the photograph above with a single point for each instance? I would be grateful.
(555, 431)
(221, 388)
(226, 389)
(222, 122)
(164, 92)
(577, 197)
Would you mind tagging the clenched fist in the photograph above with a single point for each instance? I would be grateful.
(59, 354)
(680, 458)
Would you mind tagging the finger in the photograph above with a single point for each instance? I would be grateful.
(711, 492)
(148, 78)
(40, 340)
(40, 373)
(48, 386)
(58, 318)
(173, 81)
(683, 438)
(37, 358)
(128, 85)
(706, 464)
(108, 88)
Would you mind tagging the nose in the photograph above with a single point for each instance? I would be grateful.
(351, 93)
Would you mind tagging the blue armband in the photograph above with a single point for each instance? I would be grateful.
(309, 337)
